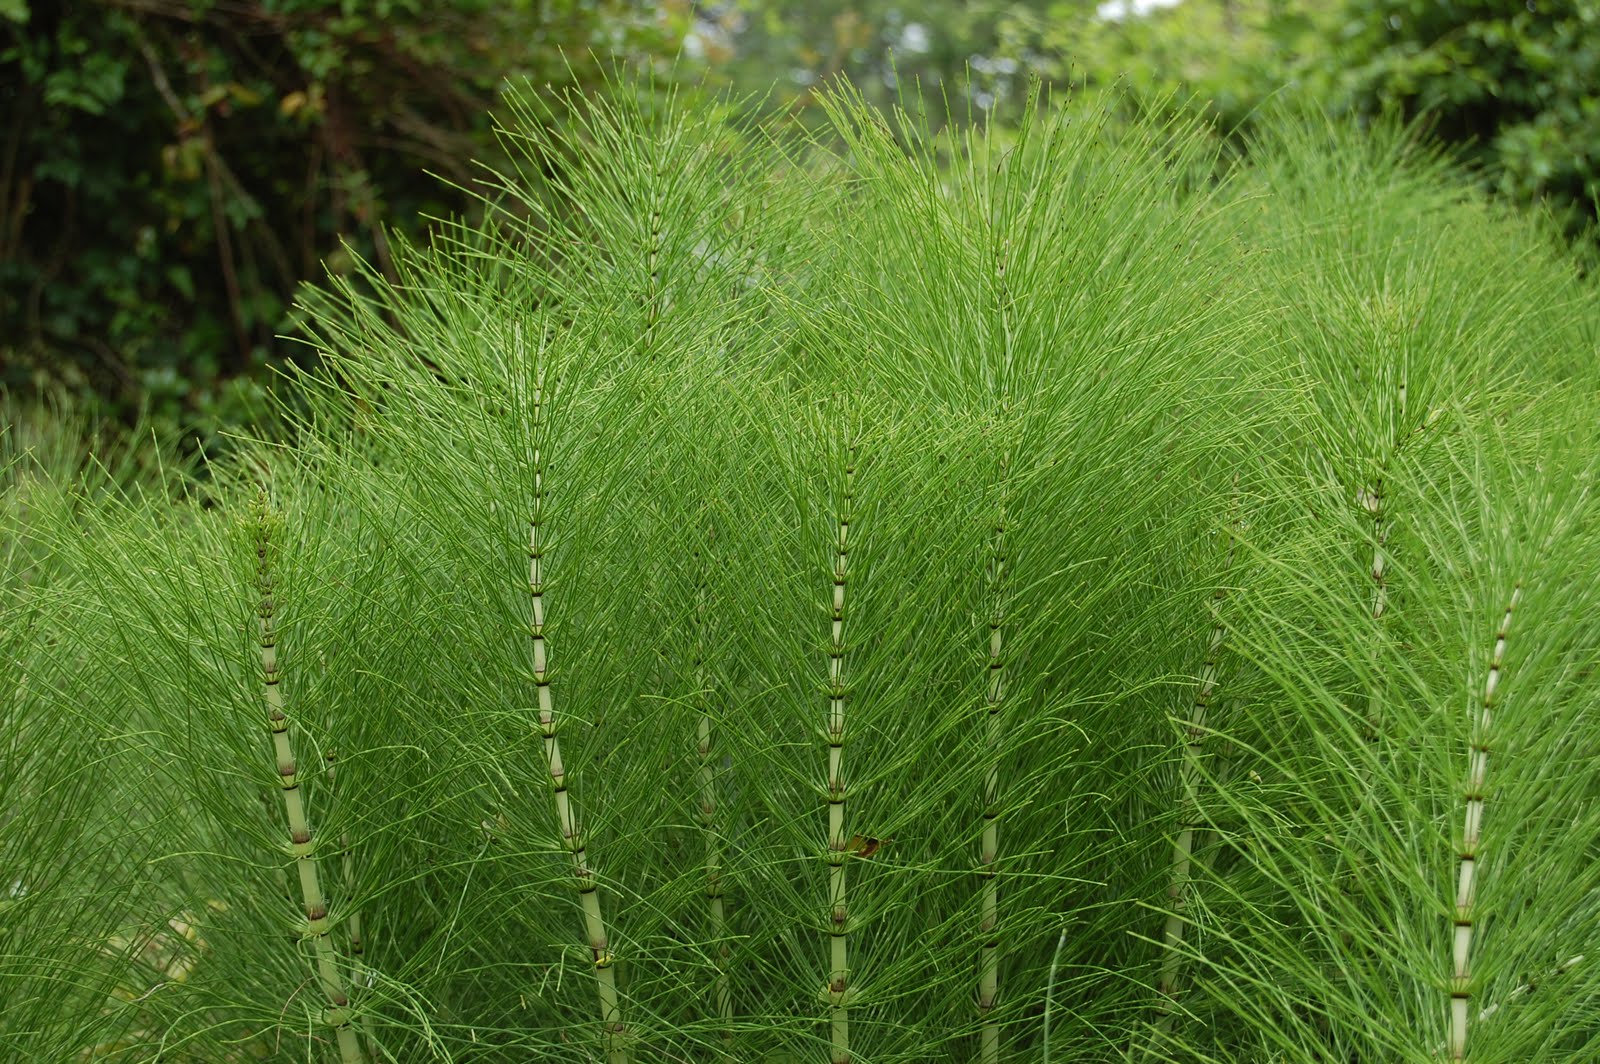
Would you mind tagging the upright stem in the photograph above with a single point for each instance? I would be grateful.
(1373, 499)
(994, 695)
(989, 858)
(837, 993)
(721, 992)
(1466, 882)
(1189, 800)
(652, 255)
(612, 1029)
(302, 846)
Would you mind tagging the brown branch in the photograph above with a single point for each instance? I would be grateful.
(14, 207)
(230, 278)
(67, 229)
(214, 167)
(183, 11)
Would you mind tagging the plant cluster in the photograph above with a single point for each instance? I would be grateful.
(823, 604)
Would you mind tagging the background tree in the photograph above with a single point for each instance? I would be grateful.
(172, 169)
(977, 56)
(1515, 86)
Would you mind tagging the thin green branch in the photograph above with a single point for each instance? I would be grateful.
(839, 990)
(613, 1031)
(302, 845)
(1466, 914)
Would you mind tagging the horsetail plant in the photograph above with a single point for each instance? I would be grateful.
(1035, 487)
(838, 991)
(1466, 882)
(612, 1030)
(302, 846)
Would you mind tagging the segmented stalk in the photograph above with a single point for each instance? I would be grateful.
(1380, 538)
(721, 992)
(652, 314)
(1466, 882)
(1195, 733)
(837, 992)
(994, 696)
(612, 1029)
(1373, 500)
(302, 846)
(989, 858)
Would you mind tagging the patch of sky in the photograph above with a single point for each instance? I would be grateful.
(1117, 10)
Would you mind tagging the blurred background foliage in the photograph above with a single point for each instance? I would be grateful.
(173, 169)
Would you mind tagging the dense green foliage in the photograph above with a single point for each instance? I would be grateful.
(877, 584)
(173, 169)
(1518, 85)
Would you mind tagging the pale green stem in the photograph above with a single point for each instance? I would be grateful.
(1373, 499)
(612, 1029)
(652, 262)
(1050, 992)
(989, 858)
(994, 697)
(837, 992)
(1471, 833)
(302, 845)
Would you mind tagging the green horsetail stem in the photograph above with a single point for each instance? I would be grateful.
(612, 1030)
(302, 846)
(1466, 882)
(989, 857)
(721, 992)
(994, 697)
(1188, 795)
(1372, 498)
(653, 265)
(838, 992)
